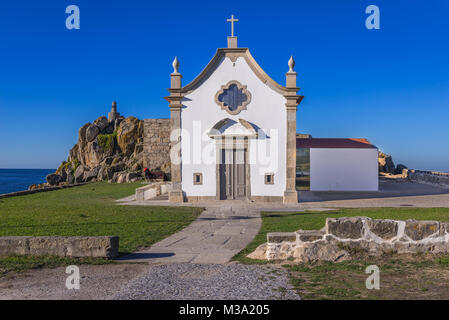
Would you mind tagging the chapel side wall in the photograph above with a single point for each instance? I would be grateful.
(343, 169)
(200, 113)
(156, 144)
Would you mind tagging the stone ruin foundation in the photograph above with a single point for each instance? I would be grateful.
(341, 236)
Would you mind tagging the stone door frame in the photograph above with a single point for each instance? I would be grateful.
(234, 143)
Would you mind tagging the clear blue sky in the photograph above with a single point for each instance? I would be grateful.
(389, 85)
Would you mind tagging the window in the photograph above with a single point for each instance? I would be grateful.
(197, 178)
(303, 169)
(269, 178)
(233, 97)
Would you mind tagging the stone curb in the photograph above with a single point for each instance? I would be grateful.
(26, 192)
(80, 247)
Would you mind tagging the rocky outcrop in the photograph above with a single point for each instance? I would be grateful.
(54, 179)
(92, 132)
(343, 238)
(386, 163)
(108, 149)
(128, 134)
(400, 168)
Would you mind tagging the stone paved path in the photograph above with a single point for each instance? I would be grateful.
(215, 237)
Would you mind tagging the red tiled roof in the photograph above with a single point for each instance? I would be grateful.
(326, 143)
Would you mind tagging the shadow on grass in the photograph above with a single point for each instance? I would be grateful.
(91, 223)
(143, 255)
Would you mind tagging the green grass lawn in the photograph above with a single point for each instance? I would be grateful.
(401, 277)
(89, 210)
(421, 277)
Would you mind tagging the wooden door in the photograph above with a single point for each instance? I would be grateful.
(239, 174)
(232, 174)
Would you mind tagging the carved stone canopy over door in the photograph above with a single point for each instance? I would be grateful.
(233, 97)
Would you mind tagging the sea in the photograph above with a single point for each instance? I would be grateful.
(12, 180)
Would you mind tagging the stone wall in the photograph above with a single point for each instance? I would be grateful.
(43, 189)
(440, 179)
(157, 144)
(96, 247)
(344, 236)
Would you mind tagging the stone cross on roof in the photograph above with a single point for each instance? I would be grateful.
(232, 40)
(232, 20)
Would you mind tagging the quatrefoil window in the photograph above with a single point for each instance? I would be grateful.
(233, 97)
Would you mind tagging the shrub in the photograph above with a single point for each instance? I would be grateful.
(106, 141)
(76, 164)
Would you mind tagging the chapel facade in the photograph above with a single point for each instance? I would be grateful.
(233, 131)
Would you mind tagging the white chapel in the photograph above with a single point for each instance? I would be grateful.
(233, 131)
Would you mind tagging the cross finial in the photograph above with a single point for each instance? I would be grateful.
(232, 20)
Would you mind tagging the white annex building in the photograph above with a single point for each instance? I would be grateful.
(337, 164)
(234, 134)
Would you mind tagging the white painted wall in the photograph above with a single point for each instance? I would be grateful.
(266, 110)
(343, 170)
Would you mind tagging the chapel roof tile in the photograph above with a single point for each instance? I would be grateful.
(328, 143)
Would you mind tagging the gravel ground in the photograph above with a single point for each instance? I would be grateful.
(98, 282)
(209, 281)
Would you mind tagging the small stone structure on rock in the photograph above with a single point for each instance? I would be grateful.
(341, 236)
(113, 115)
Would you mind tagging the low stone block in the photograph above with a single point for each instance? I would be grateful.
(13, 246)
(278, 237)
(150, 193)
(165, 188)
(310, 235)
(320, 250)
(418, 230)
(385, 229)
(95, 247)
(345, 228)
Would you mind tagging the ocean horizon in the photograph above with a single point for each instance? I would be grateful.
(12, 180)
